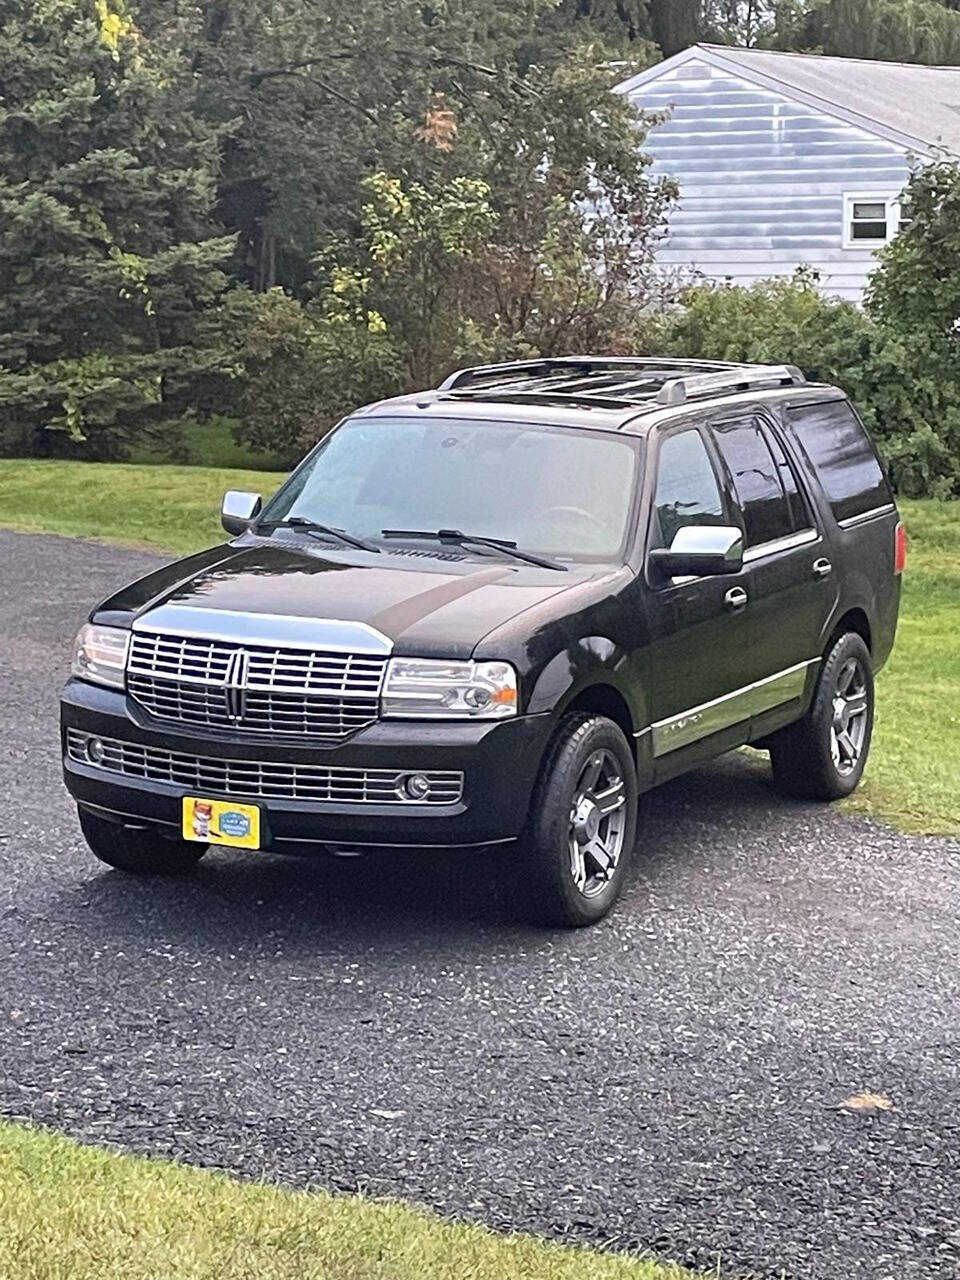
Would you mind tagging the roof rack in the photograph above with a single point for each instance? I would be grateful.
(615, 382)
(745, 378)
(489, 375)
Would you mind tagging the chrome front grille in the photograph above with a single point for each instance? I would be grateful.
(258, 688)
(259, 779)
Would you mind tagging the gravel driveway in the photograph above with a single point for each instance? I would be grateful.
(670, 1079)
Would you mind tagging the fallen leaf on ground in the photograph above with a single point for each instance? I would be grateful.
(868, 1102)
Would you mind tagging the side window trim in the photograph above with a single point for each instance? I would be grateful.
(864, 516)
(776, 545)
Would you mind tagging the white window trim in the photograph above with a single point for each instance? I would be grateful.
(891, 201)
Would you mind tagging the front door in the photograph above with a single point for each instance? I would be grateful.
(701, 651)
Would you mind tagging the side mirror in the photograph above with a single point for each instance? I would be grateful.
(238, 510)
(700, 549)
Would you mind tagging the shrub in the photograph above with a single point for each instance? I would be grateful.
(913, 416)
(298, 370)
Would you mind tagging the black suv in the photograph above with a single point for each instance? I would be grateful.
(497, 612)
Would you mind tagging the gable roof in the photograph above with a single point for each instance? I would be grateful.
(916, 106)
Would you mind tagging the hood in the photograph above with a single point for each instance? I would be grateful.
(423, 604)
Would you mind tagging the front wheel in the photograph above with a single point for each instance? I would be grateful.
(582, 825)
(136, 851)
(823, 756)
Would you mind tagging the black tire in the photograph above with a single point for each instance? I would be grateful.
(139, 852)
(547, 857)
(807, 760)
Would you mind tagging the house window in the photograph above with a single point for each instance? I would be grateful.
(870, 219)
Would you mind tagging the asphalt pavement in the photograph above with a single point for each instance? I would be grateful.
(673, 1079)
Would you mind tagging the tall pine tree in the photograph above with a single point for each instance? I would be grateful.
(111, 268)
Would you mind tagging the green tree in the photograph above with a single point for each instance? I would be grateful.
(673, 25)
(926, 31)
(915, 297)
(528, 232)
(110, 261)
(312, 98)
(508, 234)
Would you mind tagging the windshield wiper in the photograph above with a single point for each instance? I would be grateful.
(313, 527)
(475, 540)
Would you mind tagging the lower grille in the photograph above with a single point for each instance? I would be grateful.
(260, 779)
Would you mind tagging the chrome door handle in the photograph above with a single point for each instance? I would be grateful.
(735, 598)
(822, 568)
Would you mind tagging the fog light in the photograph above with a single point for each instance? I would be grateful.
(95, 751)
(414, 787)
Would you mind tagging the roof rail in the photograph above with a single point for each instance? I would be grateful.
(735, 378)
(571, 366)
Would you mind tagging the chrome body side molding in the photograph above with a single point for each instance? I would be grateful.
(733, 708)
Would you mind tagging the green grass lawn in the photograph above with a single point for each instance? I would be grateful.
(170, 508)
(77, 1213)
(913, 779)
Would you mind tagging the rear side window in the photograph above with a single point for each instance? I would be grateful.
(841, 453)
(687, 487)
(769, 510)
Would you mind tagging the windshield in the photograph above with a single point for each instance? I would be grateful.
(552, 490)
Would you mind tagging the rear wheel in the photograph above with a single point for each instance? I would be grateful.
(141, 852)
(582, 825)
(823, 756)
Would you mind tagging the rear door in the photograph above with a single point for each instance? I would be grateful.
(793, 586)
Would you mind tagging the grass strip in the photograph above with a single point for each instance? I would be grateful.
(69, 1212)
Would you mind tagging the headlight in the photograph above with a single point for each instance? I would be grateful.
(100, 654)
(429, 688)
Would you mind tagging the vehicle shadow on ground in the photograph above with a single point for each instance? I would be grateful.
(237, 896)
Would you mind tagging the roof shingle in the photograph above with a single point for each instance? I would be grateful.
(919, 102)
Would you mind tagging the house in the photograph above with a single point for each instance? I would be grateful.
(786, 160)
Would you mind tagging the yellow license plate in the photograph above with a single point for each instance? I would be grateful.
(221, 822)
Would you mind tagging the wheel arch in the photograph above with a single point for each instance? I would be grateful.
(604, 699)
(855, 620)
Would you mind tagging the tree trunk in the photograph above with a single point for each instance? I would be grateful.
(675, 23)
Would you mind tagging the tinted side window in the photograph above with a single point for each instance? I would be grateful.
(842, 455)
(687, 487)
(767, 513)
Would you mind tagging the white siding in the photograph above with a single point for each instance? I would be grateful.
(761, 179)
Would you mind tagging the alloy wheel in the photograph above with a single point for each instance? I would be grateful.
(597, 823)
(848, 726)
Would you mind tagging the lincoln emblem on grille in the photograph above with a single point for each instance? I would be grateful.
(235, 684)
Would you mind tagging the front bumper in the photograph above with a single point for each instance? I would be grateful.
(499, 761)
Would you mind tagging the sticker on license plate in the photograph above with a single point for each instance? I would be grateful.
(221, 822)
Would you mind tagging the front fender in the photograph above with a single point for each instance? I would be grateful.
(590, 662)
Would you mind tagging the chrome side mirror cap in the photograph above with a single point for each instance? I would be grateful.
(238, 510)
(700, 549)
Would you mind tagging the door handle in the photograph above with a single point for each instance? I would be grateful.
(822, 568)
(735, 598)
